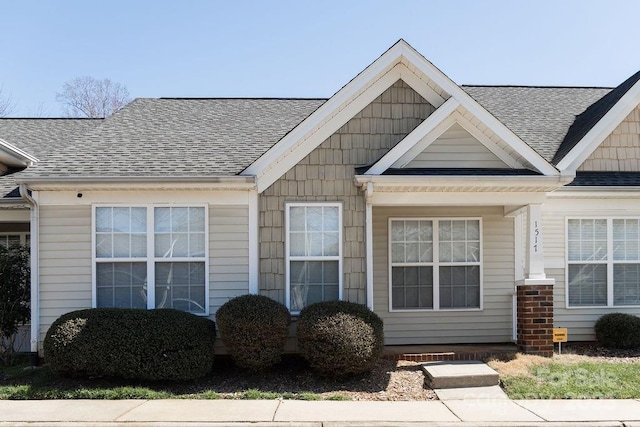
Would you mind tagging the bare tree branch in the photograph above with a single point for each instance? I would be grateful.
(89, 97)
(7, 105)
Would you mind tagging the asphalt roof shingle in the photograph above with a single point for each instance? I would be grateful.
(540, 116)
(178, 137)
(40, 138)
(211, 137)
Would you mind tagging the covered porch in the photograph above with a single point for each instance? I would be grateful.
(459, 260)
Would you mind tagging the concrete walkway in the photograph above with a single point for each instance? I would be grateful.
(257, 413)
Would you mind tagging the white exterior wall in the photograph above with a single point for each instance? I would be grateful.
(493, 324)
(579, 321)
(66, 235)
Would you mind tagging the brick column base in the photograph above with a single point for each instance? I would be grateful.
(535, 319)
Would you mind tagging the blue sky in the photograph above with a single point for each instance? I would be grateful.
(196, 48)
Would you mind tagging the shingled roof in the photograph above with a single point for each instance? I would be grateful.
(540, 116)
(178, 137)
(212, 137)
(40, 137)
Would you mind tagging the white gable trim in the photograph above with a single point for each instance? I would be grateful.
(13, 156)
(337, 111)
(431, 128)
(440, 129)
(437, 76)
(592, 140)
(401, 61)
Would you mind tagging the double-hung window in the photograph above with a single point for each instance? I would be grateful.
(603, 262)
(10, 239)
(313, 253)
(151, 257)
(435, 263)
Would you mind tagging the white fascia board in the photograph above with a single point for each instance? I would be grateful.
(19, 157)
(424, 142)
(592, 140)
(487, 142)
(293, 148)
(430, 129)
(438, 77)
(458, 181)
(140, 183)
(597, 193)
(337, 103)
(456, 117)
(421, 198)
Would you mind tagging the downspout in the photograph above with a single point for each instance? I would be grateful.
(369, 242)
(35, 263)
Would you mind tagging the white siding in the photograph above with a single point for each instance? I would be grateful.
(65, 262)
(456, 148)
(491, 325)
(66, 266)
(579, 321)
(229, 254)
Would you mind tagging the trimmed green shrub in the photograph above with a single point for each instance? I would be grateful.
(618, 330)
(254, 329)
(162, 344)
(340, 338)
(15, 294)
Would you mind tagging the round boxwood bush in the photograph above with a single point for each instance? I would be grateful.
(254, 329)
(618, 330)
(162, 344)
(340, 338)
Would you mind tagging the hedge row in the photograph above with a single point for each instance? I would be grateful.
(337, 338)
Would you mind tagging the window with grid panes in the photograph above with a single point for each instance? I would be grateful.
(435, 263)
(151, 257)
(603, 262)
(314, 253)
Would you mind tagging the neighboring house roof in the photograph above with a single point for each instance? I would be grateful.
(39, 137)
(606, 179)
(540, 116)
(592, 115)
(178, 137)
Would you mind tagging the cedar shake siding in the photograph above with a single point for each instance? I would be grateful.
(326, 175)
(620, 151)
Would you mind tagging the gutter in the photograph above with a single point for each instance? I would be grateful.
(35, 266)
(141, 183)
(140, 179)
(549, 183)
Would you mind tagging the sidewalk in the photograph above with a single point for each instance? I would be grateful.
(258, 413)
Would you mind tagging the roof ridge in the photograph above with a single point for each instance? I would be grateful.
(541, 86)
(239, 98)
(51, 118)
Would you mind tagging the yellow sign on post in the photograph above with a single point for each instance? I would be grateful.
(559, 334)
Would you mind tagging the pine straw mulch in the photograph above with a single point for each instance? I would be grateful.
(389, 380)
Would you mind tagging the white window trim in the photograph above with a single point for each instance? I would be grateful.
(435, 264)
(150, 258)
(289, 258)
(22, 234)
(609, 262)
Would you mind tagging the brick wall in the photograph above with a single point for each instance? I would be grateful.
(326, 174)
(535, 319)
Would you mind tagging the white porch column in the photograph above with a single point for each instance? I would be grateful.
(534, 261)
(369, 242)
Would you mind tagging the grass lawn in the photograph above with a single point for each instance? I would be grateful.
(568, 377)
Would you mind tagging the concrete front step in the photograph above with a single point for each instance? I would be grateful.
(459, 374)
